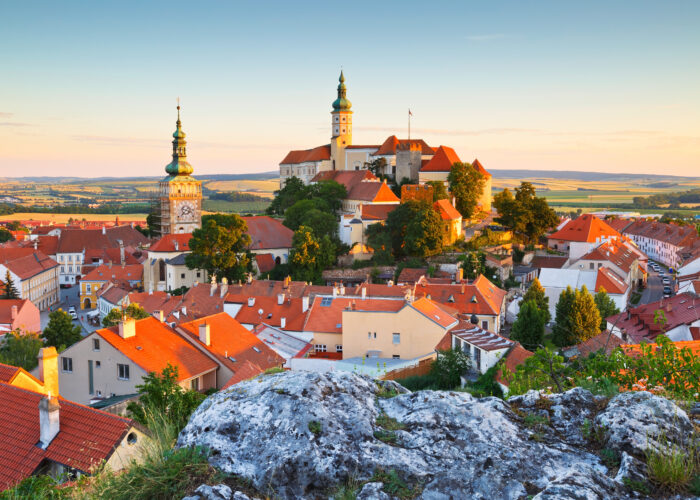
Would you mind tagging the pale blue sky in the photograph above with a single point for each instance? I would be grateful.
(89, 88)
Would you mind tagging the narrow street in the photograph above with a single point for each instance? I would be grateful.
(70, 297)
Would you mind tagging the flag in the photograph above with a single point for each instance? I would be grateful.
(409, 113)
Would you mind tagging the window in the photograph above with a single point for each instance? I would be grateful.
(98, 364)
(338, 348)
(369, 335)
(122, 372)
(396, 338)
(485, 325)
(477, 358)
(591, 265)
(396, 356)
(182, 276)
(199, 274)
(67, 365)
(320, 347)
(95, 344)
(194, 384)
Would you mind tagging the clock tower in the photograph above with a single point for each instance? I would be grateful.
(180, 194)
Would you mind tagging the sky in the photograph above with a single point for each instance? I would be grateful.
(89, 88)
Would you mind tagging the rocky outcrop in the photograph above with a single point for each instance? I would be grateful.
(304, 435)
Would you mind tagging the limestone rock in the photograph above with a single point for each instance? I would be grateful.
(373, 491)
(217, 492)
(632, 469)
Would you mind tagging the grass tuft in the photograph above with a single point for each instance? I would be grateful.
(315, 427)
(674, 467)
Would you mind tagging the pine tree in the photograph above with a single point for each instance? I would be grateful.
(10, 288)
(536, 293)
(528, 328)
(606, 307)
(560, 332)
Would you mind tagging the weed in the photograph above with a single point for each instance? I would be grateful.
(387, 392)
(543, 403)
(394, 485)
(672, 466)
(610, 457)
(273, 370)
(694, 486)
(389, 423)
(536, 436)
(347, 491)
(594, 434)
(634, 485)
(388, 437)
(533, 421)
(315, 427)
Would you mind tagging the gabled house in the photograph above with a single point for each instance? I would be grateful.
(164, 269)
(283, 312)
(581, 235)
(34, 274)
(451, 221)
(18, 314)
(269, 237)
(125, 276)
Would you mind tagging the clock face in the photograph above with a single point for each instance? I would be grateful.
(185, 211)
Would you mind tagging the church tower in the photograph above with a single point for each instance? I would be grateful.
(180, 193)
(341, 126)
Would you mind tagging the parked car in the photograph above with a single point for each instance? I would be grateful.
(667, 291)
(667, 281)
(73, 314)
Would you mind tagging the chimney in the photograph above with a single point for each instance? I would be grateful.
(249, 278)
(283, 323)
(364, 292)
(305, 303)
(204, 334)
(353, 306)
(390, 283)
(335, 291)
(212, 288)
(280, 299)
(251, 301)
(48, 420)
(122, 260)
(13, 312)
(36, 244)
(184, 311)
(462, 289)
(48, 369)
(159, 315)
(287, 280)
(342, 289)
(104, 229)
(177, 245)
(109, 265)
(224, 288)
(127, 328)
(150, 289)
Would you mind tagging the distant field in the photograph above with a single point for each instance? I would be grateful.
(239, 207)
(63, 218)
(261, 188)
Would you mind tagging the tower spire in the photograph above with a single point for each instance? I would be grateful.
(342, 103)
(179, 165)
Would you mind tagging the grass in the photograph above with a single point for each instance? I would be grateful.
(386, 392)
(673, 467)
(610, 458)
(389, 423)
(273, 370)
(394, 485)
(535, 421)
(594, 434)
(240, 207)
(638, 486)
(388, 437)
(315, 427)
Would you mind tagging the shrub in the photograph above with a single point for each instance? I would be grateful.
(449, 366)
(315, 427)
(389, 423)
(393, 484)
(417, 382)
(672, 467)
(610, 457)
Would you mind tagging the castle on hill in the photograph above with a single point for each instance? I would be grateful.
(413, 159)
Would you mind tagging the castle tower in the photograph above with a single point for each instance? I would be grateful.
(408, 161)
(341, 126)
(180, 194)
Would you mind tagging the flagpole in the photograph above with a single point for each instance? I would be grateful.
(409, 124)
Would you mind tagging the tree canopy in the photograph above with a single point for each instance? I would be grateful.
(61, 332)
(536, 293)
(220, 247)
(439, 190)
(466, 185)
(528, 328)
(133, 311)
(606, 307)
(9, 288)
(524, 213)
(448, 367)
(20, 349)
(415, 230)
(5, 235)
(330, 192)
(310, 255)
(577, 317)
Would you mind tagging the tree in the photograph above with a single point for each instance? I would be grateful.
(536, 293)
(439, 190)
(379, 240)
(528, 328)
(524, 213)
(322, 223)
(544, 370)
(376, 166)
(10, 288)
(332, 192)
(606, 307)
(467, 186)
(161, 395)
(5, 235)
(561, 329)
(295, 214)
(577, 317)
(220, 247)
(415, 229)
(61, 332)
(310, 255)
(472, 264)
(133, 311)
(448, 367)
(293, 191)
(20, 349)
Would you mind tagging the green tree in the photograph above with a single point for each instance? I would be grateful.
(543, 370)
(10, 290)
(472, 264)
(524, 213)
(577, 317)
(536, 293)
(606, 307)
(528, 328)
(295, 214)
(310, 255)
(161, 395)
(293, 191)
(448, 367)
(61, 332)
(20, 349)
(133, 311)
(332, 192)
(561, 331)
(376, 166)
(379, 240)
(220, 247)
(5, 235)
(466, 185)
(415, 229)
(322, 223)
(439, 190)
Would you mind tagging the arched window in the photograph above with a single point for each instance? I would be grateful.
(161, 270)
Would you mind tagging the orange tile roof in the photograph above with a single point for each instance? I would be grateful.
(267, 233)
(609, 279)
(480, 168)
(6, 309)
(479, 297)
(229, 340)
(7, 372)
(618, 252)
(602, 341)
(411, 275)
(26, 262)
(443, 160)
(265, 262)
(348, 178)
(197, 302)
(329, 318)
(434, 312)
(272, 311)
(156, 301)
(115, 273)
(585, 228)
(376, 212)
(669, 233)
(245, 371)
(319, 153)
(47, 244)
(155, 345)
(169, 242)
(373, 192)
(446, 210)
(516, 356)
(389, 146)
(86, 438)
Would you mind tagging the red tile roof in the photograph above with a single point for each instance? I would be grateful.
(585, 228)
(268, 233)
(411, 275)
(373, 192)
(515, 357)
(26, 262)
(446, 210)
(443, 160)
(86, 437)
(602, 341)
(155, 345)
(610, 281)
(245, 371)
(319, 153)
(678, 236)
(329, 318)
(479, 297)
(480, 168)
(265, 262)
(172, 243)
(621, 253)
(636, 349)
(47, 244)
(6, 309)
(115, 273)
(229, 340)
(549, 261)
(112, 293)
(113, 255)
(156, 301)
(197, 302)
(272, 311)
(389, 146)
(348, 178)
(376, 212)
(7, 372)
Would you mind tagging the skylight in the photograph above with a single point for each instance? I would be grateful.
(326, 301)
(256, 349)
(232, 359)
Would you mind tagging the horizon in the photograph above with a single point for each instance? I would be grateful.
(550, 87)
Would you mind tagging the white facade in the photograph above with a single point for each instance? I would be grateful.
(71, 265)
(304, 171)
(660, 251)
